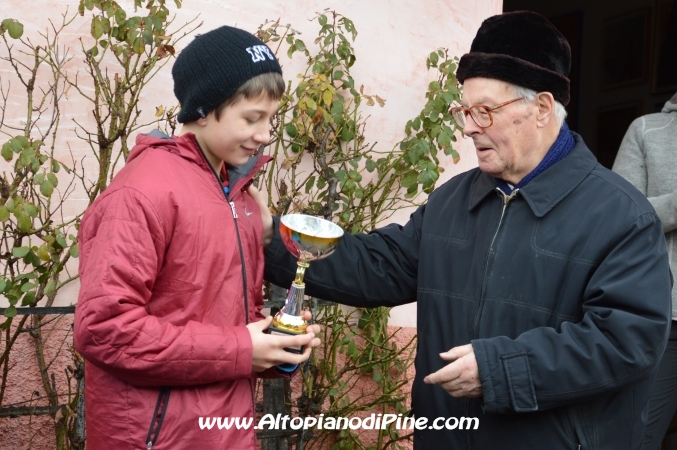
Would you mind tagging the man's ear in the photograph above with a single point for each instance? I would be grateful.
(546, 108)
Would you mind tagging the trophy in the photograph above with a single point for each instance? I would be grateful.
(308, 238)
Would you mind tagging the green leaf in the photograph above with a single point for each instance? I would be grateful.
(409, 180)
(120, 16)
(27, 287)
(434, 58)
(50, 288)
(311, 103)
(28, 299)
(52, 179)
(43, 253)
(20, 252)
(7, 152)
(138, 46)
(322, 19)
(39, 178)
(74, 251)
(310, 184)
(55, 166)
(10, 312)
(46, 188)
(3, 285)
(178, 3)
(4, 213)
(24, 222)
(291, 130)
(61, 241)
(147, 36)
(370, 165)
(13, 27)
(327, 97)
(97, 27)
(31, 209)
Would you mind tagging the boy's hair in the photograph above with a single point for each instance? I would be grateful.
(271, 84)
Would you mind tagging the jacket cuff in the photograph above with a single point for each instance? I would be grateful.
(243, 363)
(507, 384)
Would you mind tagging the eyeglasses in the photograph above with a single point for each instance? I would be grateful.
(480, 114)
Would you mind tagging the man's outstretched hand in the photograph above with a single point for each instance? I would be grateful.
(460, 378)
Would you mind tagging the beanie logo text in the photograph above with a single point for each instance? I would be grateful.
(259, 53)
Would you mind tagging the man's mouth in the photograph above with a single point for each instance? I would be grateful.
(482, 149)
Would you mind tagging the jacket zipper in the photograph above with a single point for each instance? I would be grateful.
(506, 200)
(242, 262)
(573, 429)
(152, 438)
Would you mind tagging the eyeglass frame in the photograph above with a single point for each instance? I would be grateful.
(466, 111)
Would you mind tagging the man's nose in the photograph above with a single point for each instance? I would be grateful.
(470, 127)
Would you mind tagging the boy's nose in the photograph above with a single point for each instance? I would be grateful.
(262, 136)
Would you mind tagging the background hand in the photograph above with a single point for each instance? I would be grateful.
(461, 378)
(266, 217)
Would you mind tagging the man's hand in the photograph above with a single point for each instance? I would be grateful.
(266, 217)
(269, 350)
(461, 378)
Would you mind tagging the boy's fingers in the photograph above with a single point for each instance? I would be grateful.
(315, 329)
(261, 325)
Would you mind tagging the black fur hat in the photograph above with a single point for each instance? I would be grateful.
(522, 48)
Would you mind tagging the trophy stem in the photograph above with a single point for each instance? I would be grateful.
(301, 267)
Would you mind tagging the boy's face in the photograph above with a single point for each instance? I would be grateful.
(241, 129)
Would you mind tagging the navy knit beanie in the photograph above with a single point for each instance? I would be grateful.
(522, 48)
(212, 67)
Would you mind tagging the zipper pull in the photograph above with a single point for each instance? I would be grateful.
(232, 207)
(150, 445)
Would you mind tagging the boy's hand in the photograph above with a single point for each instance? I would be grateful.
(269, 350)
(266, 217)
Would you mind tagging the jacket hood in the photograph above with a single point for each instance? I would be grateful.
(186, 146)
(670, 105)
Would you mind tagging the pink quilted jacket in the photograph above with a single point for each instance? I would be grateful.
(169, 279)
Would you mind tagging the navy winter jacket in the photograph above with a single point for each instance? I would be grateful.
(563, 291)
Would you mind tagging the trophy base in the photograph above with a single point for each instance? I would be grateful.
(282, 332)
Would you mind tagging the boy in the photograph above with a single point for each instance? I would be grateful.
(171, 264)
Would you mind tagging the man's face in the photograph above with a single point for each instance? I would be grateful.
(241, 129)
(508, 149)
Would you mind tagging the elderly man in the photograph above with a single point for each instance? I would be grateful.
(541, 278)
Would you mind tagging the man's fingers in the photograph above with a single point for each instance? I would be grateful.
(447, 373)
(456, 352)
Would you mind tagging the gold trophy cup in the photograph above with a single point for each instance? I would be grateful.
(308, 238)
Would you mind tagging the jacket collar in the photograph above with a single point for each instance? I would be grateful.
(550, 187)
(186, 147)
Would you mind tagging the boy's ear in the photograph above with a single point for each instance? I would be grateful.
(202, 121)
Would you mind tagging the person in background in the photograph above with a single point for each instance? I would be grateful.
(647, 158)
